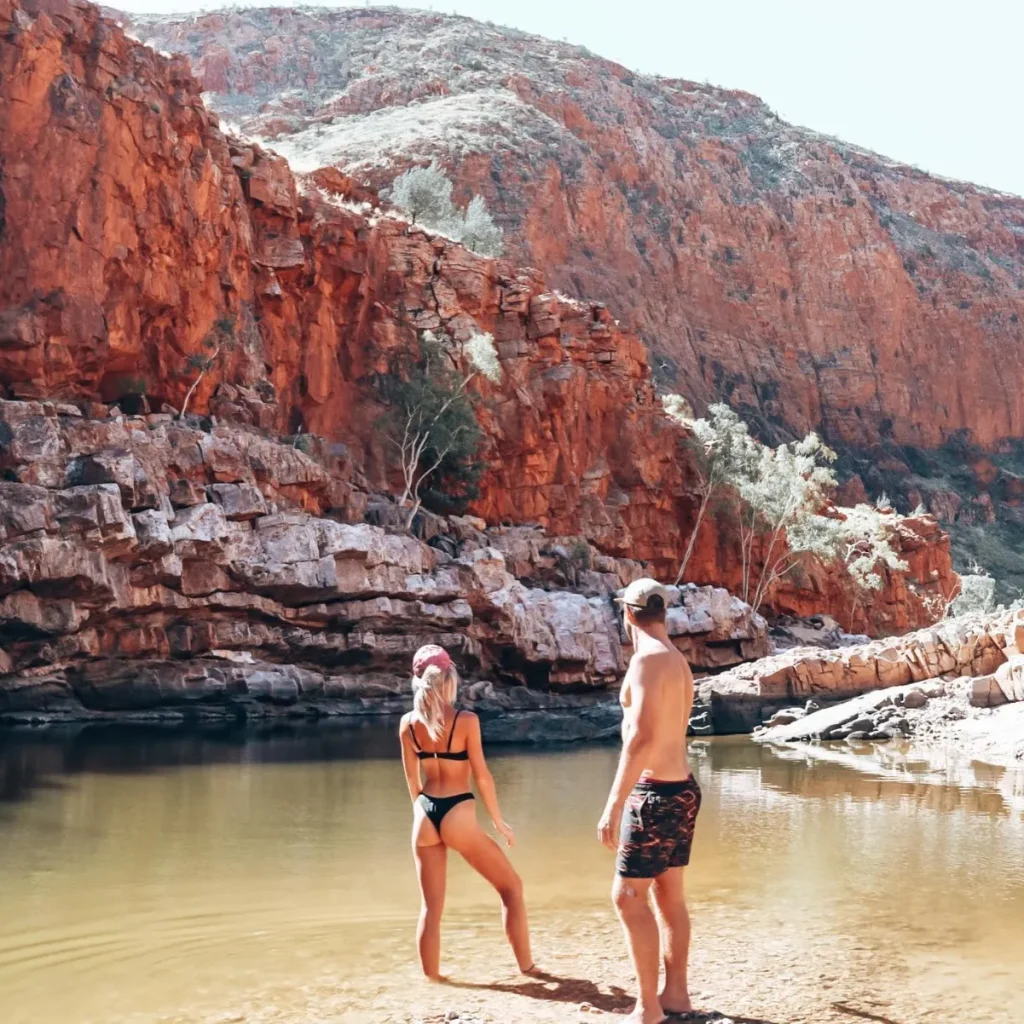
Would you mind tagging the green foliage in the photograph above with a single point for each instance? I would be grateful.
(977, 595)
(862, 538)
(425, 195)
(479, 232)
(197, 361)
(678, 409)
(220, 339)
(780, 490)
(483, 356)
(723, 453)
(430, 420)
(775, 497)
(580, 555)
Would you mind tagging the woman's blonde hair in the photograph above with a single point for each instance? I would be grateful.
(432, 693)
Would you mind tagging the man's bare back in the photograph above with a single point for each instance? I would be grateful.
(665, 672)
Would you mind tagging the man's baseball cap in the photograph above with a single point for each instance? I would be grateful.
(639, 593)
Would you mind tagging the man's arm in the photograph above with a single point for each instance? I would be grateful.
(636, 746)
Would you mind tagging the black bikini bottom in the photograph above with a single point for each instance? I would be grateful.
(436, 807)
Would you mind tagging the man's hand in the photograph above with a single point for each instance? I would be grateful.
(608, 827)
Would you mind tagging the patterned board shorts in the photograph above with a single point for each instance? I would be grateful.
(657, 827)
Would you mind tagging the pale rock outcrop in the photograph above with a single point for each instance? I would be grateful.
(205, 589)
(970, 647)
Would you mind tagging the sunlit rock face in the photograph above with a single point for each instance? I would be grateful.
(138, 238)
(155, 569)
(810, 283)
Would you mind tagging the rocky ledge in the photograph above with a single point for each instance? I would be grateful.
(973, 647)
(152, 568)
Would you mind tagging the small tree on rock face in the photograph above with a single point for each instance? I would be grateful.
(220, 340)
(975, 595)
(777, 496)
(479, 232)
(723, 454)
(861, 538)
(780, 490)
(430, 419)
(425, 195)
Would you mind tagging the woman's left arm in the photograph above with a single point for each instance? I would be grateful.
(410, 762)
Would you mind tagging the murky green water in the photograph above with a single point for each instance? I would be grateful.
(148, 876)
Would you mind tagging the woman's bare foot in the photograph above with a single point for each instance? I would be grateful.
(534, 971)
(647, 1015)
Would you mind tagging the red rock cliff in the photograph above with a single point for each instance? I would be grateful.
(809, 283)
(135, 232)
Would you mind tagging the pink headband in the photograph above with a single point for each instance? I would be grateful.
(429, 655)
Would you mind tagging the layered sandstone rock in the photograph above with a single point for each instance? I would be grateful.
(139, 242)
(972, 647)
(807, 282)
(152, 568)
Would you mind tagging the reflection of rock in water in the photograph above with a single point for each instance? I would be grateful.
(29, 760)
(895, 773)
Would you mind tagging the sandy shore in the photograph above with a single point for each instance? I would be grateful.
(746, 968)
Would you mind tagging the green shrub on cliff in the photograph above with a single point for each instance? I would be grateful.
(977, 594)
(775, 499)
(723, 454)
(424, 194)
(430, 419)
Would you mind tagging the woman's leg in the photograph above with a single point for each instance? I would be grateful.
(461, 831)
(432, 871)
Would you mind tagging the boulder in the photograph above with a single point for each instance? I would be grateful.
(1010, 678)
(239, 501)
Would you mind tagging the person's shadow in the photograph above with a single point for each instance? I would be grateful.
(556, 989)
(552, 988)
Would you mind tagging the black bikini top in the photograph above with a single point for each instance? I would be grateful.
(442, 755)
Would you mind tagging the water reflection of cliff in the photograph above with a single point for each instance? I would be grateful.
(932, 779)
(32, 760)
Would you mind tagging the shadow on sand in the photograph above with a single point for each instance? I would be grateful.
(553, 988)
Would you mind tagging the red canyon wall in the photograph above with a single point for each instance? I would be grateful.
(809, 283)
(134, 235)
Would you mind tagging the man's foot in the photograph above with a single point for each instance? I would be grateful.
(676, 1006)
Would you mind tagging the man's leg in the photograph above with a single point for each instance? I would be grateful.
(670, 898)
(630, 898)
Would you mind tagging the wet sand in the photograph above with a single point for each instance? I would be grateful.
(748, 966)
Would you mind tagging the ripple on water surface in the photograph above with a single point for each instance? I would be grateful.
(155, 877)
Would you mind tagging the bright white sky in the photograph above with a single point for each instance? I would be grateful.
(936, 83)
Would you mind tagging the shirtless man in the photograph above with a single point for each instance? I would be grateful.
(653, 804)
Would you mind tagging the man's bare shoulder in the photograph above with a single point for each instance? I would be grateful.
(664, 662)
(649, 662)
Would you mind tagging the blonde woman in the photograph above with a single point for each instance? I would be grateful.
(441, 748)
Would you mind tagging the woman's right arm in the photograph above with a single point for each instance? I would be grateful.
(484, 779)
(410, 762)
